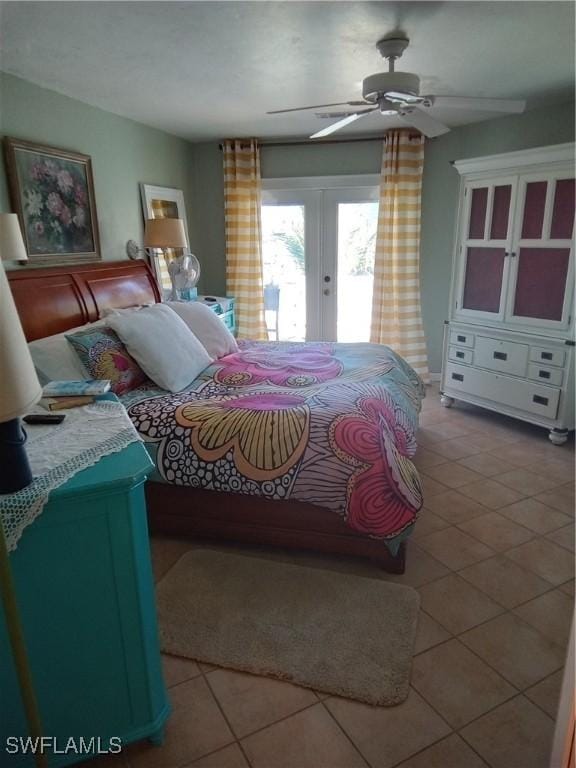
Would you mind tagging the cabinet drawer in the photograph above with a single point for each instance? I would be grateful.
(498, 355)
(549, 356)
(546, 375)
(460, 355)
(520, 394)
(462, 338)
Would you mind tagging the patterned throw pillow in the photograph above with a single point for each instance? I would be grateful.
(105, 357)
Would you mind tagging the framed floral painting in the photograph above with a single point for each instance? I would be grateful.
(52, 192)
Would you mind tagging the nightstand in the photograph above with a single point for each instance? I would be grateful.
(224, 308)
(86, 596)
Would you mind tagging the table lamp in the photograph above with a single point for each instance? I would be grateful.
(19, 385)
(165, 233)
(184, 270)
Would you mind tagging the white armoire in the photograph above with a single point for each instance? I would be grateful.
(509, 340)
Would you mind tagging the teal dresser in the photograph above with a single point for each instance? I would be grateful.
(86, 595)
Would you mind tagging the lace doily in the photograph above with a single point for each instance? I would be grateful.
(58, 452)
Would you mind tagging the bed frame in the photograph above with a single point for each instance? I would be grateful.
(55, 299)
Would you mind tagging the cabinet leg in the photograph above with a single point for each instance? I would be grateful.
(446, 401)
(558, 436)
(157, 738)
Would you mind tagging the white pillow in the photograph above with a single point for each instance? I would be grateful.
(162, 344)
(55, 359)
(133, 308)
(207, 326)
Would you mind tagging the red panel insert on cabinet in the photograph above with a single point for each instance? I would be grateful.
(478, 213)
(500, 212)
(483, 282)
(541, 282)
(534, 204)
(563, 211)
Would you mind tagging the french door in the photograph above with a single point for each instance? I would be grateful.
(318, 253)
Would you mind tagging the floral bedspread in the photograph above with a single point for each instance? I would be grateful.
(329, 424)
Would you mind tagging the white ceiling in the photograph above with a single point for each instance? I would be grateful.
(205, 70)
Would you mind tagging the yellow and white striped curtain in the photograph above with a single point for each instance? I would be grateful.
(244, 272)
(396, 314)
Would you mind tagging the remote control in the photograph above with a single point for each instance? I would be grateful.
(45, 418)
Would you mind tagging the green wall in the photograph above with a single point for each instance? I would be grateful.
(316, 160)
(123, 153)
(552, 125)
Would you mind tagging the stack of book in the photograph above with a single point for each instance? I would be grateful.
(60, 395)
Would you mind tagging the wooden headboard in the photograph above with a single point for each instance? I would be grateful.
(55, 299)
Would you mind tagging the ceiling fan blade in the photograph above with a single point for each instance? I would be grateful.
(423, 122)
(321, 106)
(344, 114)
(490, 105)
(340, 124)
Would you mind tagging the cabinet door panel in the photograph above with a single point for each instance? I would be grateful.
(541, 282)
(563, 211)
(540, 277)
(500, 212)
(485, 236)
(483, 279)
(534, 207)
(478, 213)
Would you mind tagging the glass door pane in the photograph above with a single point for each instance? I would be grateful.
(357, 223)
(283, 252)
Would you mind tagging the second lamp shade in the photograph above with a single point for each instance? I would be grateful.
(165, 233)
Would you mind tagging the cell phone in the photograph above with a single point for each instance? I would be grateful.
(45, 418)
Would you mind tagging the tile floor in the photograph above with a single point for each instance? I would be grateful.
(493, 559)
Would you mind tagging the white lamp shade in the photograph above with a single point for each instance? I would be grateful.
(11, 243)
(19, 385)
(165, 233)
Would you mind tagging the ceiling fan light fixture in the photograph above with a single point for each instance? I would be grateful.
(399, 83)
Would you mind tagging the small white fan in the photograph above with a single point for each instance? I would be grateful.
(184, 274)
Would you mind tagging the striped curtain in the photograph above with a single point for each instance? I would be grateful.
(396, 315)
(244, 274)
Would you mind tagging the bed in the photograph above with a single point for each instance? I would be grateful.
(341, 418)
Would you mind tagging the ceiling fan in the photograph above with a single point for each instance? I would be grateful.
(398, 94)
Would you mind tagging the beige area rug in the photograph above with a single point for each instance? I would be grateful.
(338, 633)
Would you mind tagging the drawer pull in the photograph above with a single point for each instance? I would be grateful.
(546, 355)
(462, 339)
(460, 354)
(540, 400)
(500, 356)
(458, 377)
(544, 374)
